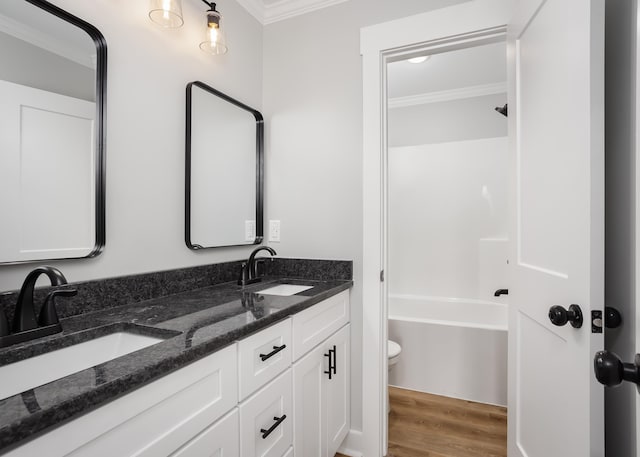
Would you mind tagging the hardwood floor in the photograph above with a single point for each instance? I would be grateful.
(425, 425)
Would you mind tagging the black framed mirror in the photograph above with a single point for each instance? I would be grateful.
(224, 170)
(52, 157)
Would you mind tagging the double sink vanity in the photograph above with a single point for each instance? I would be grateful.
(224, 367)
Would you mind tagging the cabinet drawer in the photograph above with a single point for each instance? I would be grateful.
(221, 439)
(152, 421)
(315, 324)
(263, 412)
(263, 356)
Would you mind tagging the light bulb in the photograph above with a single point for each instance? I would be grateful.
(214, 39)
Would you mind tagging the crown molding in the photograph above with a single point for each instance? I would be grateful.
(283, 9)
(448, 95)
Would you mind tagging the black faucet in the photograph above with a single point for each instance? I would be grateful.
(25, 325)
(249, 271)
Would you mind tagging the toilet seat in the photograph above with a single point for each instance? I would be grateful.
(393, 351)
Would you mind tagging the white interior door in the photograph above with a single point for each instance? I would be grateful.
(556, 124)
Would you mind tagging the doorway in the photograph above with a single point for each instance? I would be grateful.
(447, 235)
(481, 23)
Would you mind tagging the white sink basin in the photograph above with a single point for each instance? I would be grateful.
(36, 371)
(284, 289)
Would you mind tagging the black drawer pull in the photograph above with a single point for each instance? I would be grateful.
(278, 420)
(276, 349)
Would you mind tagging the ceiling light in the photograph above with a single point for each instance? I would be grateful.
(166, 13)
(419, 59)
(214, 39)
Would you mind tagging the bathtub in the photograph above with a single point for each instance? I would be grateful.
(451, 347)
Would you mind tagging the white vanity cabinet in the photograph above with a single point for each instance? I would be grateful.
(249, 399)
(321, 379)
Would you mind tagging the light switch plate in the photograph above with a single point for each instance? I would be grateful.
(249, 230)
(274, 231)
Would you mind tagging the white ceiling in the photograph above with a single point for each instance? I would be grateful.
(269, 11)
(481, 69)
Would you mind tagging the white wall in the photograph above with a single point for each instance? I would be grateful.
(442, 122)
(148, 69)
(72, 79)
(313, 107)
(448, 219)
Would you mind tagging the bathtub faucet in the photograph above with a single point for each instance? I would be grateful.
(499, 292)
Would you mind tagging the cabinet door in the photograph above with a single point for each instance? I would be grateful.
(151, 421)
(264, 429)
(221, 439)
(308, 401)
(337, 391)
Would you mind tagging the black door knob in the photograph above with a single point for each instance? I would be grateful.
(610, 370)
(612, 317)
(560, 316)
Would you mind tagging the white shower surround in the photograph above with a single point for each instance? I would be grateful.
(448, 250)
(448, 219)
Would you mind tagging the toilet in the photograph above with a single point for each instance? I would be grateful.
(393, 354)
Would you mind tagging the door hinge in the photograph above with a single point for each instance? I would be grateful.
(381, 275)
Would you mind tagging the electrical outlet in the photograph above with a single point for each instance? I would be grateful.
(249, 230)
(274, 231)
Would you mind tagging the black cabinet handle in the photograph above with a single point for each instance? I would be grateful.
(332, 362)
(560, 316)
(330, 370)
(278, 420)
(276, 349)
(335, 359)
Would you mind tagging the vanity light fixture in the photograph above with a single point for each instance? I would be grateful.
(214, 39)
(166, 13)
(419, 59)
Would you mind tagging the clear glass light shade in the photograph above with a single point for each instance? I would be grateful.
(214, 39)
(166, 13)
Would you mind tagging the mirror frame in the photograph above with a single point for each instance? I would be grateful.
(259, 167)
(100, 162)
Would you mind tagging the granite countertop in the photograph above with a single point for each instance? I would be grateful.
(193, 325)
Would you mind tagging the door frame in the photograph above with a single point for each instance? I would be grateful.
(636, 193)
(449, 28)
